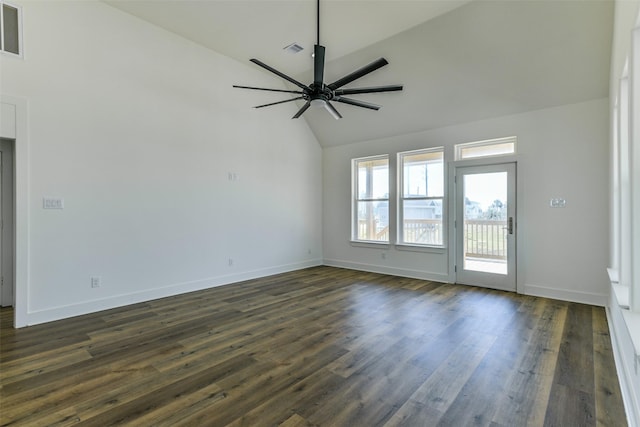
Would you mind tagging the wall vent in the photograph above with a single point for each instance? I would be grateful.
(10, 29)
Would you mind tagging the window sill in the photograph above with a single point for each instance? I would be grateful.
(631, 319)
(420, 248)
(370, 244)
(620, 291)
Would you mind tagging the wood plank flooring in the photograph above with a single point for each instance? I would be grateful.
(321, 346)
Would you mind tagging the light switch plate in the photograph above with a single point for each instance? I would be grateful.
(52, 203)
(558, 202)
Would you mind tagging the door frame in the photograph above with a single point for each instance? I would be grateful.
(14, 126)
(453, 167)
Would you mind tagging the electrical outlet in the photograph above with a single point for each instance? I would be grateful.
(558, 202)
(51, 203)
(95, 281)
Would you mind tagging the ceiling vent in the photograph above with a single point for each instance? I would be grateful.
(293, 48)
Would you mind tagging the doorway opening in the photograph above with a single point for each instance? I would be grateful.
(7, 233)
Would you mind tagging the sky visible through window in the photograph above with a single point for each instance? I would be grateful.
(485, 188)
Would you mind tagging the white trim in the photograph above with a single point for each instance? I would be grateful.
(622, 294)
(457, 149)
(565, 294)
(400, 272)
(623, 355)
(63, 312)
(21, 218)
(373, 244)
(433, 249)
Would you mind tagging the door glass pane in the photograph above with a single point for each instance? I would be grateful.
(485, 222)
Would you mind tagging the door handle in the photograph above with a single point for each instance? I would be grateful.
(509, 226)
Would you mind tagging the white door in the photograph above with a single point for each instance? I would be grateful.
(485, 226)
(6, 223)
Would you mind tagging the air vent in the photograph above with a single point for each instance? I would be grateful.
(293, 48)
(10, 29)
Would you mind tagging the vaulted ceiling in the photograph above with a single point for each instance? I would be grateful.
(459, 61)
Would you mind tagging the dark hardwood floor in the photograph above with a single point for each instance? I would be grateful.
(321, 346)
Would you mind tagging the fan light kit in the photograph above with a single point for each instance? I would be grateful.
(318, 93)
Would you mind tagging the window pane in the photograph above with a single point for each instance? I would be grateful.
(373, 179)
(423, 175)
(483, 149)
(10, 29)
(422, 221)
(373, 221)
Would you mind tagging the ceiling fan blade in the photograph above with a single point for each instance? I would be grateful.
(358, 73)
(356, 103)
(375, 89)
(332, 110)
(302, 110)
(279, 102)
(278, 73)
(270, 90)
(318, 65)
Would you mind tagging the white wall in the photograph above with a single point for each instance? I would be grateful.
(137, 130)
(562, 152)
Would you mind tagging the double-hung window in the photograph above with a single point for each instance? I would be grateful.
(421, 197)
(371, 199)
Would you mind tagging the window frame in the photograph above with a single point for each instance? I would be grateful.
(355, 199)
(18, 9)
(459, 148)
(401, 199)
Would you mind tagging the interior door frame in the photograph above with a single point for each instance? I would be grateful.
(14, 126)
(452, 204)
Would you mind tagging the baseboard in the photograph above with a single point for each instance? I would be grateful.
(401, 272)
(86, 307)
(566, 295)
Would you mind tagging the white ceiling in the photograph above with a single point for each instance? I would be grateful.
(459, 61)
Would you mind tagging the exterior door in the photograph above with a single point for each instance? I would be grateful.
(485, 226)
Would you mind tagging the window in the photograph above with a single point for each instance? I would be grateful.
(10, 28)
(421, 197)
(492, 147)
(371, 199)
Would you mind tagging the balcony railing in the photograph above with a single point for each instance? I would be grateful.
(485, 239)
(369, 230)
(423, 231)
(482, 238)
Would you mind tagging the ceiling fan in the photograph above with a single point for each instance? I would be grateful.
(318, 93)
